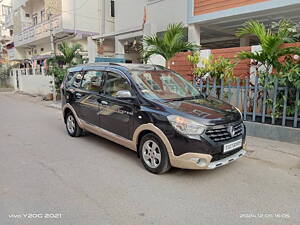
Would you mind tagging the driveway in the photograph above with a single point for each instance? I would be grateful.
(91, 181)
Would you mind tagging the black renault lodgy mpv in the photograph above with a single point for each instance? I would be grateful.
(155, 112)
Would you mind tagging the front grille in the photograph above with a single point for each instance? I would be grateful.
(219, 156)
(221, 133)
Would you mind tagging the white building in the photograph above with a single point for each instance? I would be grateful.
(5, 32)
(134, 19)
(209, 23)
(34, 21)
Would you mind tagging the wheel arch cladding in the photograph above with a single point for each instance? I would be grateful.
(140, 136)
(69, 107)
(66, 112)
(158, 132)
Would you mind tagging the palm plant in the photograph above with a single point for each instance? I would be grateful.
(286, 70)
(293, 27)
(171, 43)
(69, 56)
(271, 44)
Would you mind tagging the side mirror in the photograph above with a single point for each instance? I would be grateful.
(124, 95)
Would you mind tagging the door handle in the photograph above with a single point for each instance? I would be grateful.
(78, 95)
(71, 90)
(104, 103)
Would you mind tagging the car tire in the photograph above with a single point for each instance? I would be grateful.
(153, 154)
(72, 126)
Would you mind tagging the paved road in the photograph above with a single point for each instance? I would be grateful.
(90, 180)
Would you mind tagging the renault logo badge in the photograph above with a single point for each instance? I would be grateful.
(230, 129)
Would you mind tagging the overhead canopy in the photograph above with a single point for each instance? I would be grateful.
(215, 32)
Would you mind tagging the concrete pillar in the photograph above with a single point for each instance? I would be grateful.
(245, 41)
(194, 33)
(204, 54)
(119, 48)
(157, 60)
(15, 79)
(151, 29)
(92, 49)
(255, 48)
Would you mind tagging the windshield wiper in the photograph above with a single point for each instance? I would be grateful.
(179, 99)
(201, 95)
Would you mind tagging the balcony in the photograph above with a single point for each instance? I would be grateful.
(34, 33)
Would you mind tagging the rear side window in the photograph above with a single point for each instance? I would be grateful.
(68, 81)
(92, 81)
(73, 80)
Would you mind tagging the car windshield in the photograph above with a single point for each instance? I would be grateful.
(164, 84)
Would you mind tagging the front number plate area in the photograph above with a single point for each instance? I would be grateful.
(233, 145)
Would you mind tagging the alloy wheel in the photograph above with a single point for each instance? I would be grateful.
(71, 124)
(151, 154)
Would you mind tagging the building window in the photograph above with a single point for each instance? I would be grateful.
(6, 10)
(42, 49)
(27, 15)
(35, 19)
(112, 8)
(43, 15)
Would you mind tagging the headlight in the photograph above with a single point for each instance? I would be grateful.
(237, 109)
(187, 127)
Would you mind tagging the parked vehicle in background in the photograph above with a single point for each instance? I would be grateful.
(155, 112)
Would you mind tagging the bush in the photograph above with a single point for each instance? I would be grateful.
(4, 74)
(219, 68)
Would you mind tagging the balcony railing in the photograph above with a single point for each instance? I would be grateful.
(37, 32)
(29, 71)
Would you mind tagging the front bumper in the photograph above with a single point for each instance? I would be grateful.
(203, 161)
(226, 160)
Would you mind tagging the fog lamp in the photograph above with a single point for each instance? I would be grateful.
(199, 161)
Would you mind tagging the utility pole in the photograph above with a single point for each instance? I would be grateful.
(52, 50)
(51, 34)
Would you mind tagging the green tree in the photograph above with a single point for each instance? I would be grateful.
(217, 68)
(293, 28)
(69, 56)
(286, 70)
(271, 42)
(171, 43)
(4, 74)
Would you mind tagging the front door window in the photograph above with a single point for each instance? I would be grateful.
(114, 84)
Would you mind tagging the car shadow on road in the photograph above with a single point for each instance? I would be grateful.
(131, 156)
(112, 147)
